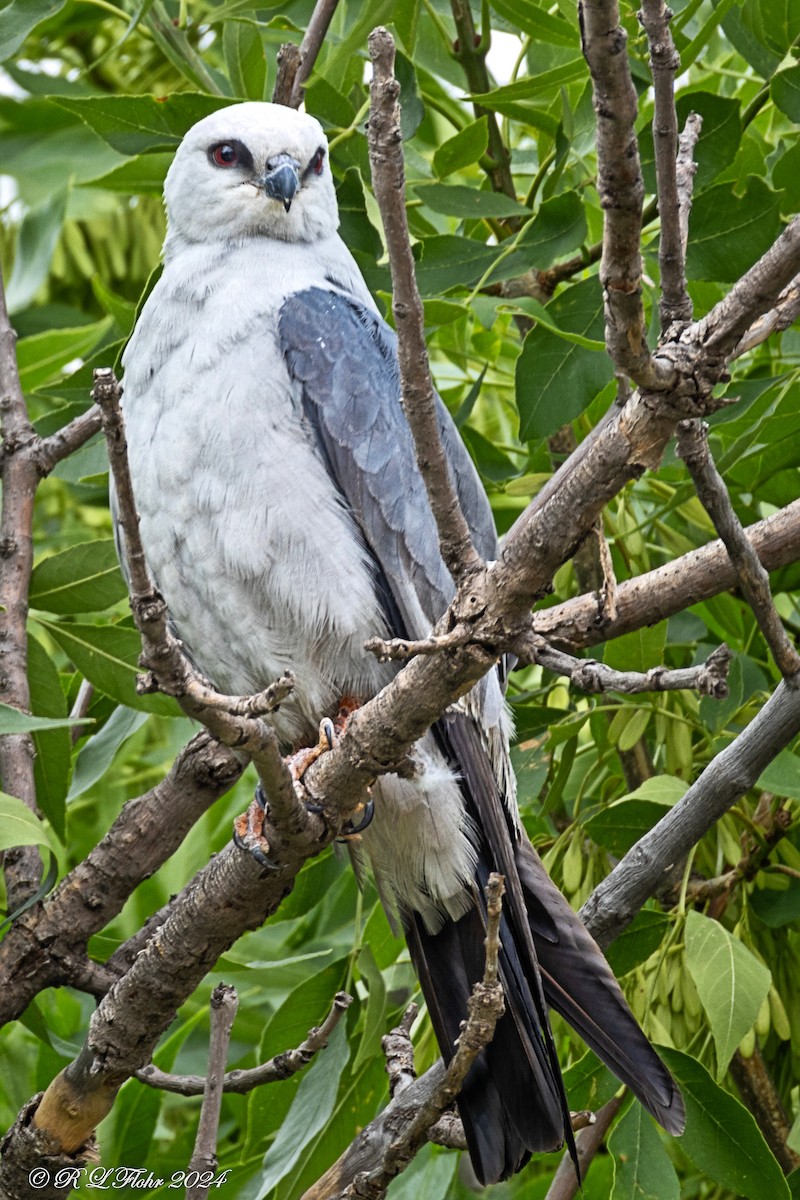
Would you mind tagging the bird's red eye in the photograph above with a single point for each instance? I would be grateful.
(318, 161)
(225, 155)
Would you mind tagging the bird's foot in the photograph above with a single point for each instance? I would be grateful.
(248, 831)
(329, 733)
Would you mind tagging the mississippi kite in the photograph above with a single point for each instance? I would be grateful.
(285, 522)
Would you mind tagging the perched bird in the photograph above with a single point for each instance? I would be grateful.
(285, 522)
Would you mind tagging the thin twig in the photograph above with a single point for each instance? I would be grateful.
(276, 1069)
(288, 66)
(224, 1003)
(80, 709)
(59, 445)
(753, 579)
(780, 317)
(388, 177)
(398, 1050)
(311, 45)
(621, 189)
(565, 1181)
(685, 171)
(386, 1146)
(709, 678)
(676, 304)
(470, 50)
(234, 720)
(401, 649)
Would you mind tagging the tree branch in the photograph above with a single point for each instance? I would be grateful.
(669, 589)
(756, 293)
(615, 902)
(621, 190)
(665, 62)
(759, 1094)
(419, 397)
(276, 1069)
(224, 1003)
(709, 679)
(752, 577)
(387, 1145)
(311, 45)
(52, 450)
(46, 945)
(780, 317)
(23, 865)
(565, 1183)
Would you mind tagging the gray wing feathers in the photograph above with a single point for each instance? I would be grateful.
(344, 357)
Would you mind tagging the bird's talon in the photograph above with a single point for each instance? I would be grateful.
(248, 832)
(351, 830)
(327, 734)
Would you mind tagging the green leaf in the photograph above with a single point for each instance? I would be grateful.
(18, 825)
(428, 1177)
(557, 380)
(589, 1084)
(536, 87)
(20, 17)
(620, 826)
(643, 1168)
(727, 233)
(374, 1018)
(85, 578)
(722, 1138)
(638, 941)
(137, 124)
(412, 110)
(537, 22)
(637, 651)
(53, 747)
(14, 721)
(663, 789)
(777, 908)
(782, 776)
(36, 242)
(785, 92)
(468, 145)
(492, 463)
(310, 1111)
(43, 356)
(454, 200)
(447, 261)
(107, 655)
(143, 175)
(730, 982)
(405, 18)
(97, 755)
(245, 59)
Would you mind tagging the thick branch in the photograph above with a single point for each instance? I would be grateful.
(665, 63)
(753, 579)
(725, 780)
(224, 1003)
(276, 1069)
(288, 66)
(419, 397)
(658, 594)
(22, 866)
(46, 946)
(620, 188)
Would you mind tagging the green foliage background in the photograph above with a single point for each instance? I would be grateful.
(100, 95)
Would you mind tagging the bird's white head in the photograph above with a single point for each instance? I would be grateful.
(251, 170)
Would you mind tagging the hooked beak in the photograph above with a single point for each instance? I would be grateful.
(281, 179)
